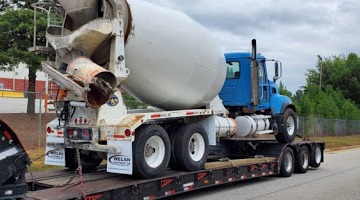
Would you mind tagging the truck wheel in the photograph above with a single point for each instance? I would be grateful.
(287, 163)
(316, 156)
(89, 159)
(288, 132)
(191, 147)
(302, 160)
(151, 151)
(173, 131)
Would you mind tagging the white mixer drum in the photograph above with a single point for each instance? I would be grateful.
(174, 62)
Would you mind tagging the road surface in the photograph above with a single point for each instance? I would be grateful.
(337, 178)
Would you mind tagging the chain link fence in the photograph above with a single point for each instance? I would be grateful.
(319, 127)
(30, 128)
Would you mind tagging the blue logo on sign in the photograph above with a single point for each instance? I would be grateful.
(113, 101)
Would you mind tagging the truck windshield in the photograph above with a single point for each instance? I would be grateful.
(233, 70)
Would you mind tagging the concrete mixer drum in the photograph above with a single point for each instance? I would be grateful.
(174, 62)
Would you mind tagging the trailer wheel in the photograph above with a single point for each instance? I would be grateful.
(89, 159)
(316, 157)
(288, 132)
(302, 160)
(151, 151)
(287, 163)
(191, 147)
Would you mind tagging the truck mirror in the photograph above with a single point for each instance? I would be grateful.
(276, 69)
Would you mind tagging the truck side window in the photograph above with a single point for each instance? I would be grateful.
(233, 70)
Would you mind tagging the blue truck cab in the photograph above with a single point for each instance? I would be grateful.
(247, 91)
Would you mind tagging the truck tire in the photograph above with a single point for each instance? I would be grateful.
(191, 147)
(316, 157)
(287, 162)
(288, 132)
(173, 131)
(89, 159)
(302, 160)
(151, 151)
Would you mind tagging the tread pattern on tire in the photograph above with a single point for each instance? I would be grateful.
(140, 167)
(181, 153)
(283, 171)
(87, 162)
(313, 162)
(283, 136)
(298, 161)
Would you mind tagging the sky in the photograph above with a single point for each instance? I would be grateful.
(294, 32)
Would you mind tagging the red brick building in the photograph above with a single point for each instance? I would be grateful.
(21, 84)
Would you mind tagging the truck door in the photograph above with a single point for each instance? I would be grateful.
(264, 86)
(230, 89)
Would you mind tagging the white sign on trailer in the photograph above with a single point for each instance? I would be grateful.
(55, 156)
(121, 163)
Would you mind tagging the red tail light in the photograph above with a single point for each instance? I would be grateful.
(71, 132)
(127, 133)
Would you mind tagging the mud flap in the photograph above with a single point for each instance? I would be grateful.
(54, 154)
(209, 125)
(121, 163)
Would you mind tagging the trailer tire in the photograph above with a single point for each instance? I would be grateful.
(289, 129)
(316, 157)
(302, 160)
(89, 159)
(287, 162)
(151, 151)
(191, 147)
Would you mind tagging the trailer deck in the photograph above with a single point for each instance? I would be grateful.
(102, 185)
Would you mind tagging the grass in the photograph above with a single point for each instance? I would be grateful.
(38, 157)
(332, 143)
(336, 143)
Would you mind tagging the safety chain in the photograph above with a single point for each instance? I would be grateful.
(79, 169)
(36, 159)
(67, 183)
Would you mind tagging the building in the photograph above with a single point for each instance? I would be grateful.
(18, 80)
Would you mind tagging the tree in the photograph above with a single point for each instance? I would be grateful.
(5, 4)
(284, 91)
(16, 36)
(339, 72)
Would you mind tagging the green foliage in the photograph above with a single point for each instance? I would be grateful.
(339, 72)
(284, 91)
(6, 4)
(327, 103)
(16, 36)
(338, 95)
(132, 103)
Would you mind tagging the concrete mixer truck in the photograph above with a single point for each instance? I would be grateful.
(206, 105)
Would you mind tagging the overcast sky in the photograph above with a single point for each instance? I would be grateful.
(294, 32)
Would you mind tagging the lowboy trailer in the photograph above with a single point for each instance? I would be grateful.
(264, 157)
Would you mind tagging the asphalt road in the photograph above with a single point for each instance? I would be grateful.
(337, 178)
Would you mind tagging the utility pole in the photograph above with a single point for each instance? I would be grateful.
(320, 59)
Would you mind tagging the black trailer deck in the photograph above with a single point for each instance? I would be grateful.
(99, 184)
(245, 158)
